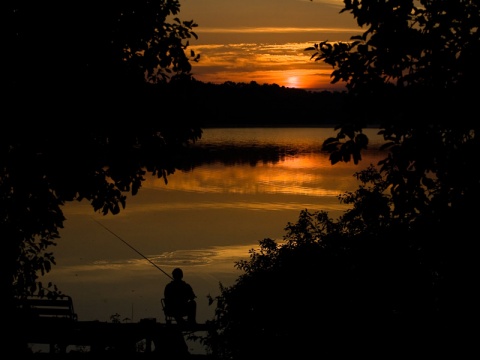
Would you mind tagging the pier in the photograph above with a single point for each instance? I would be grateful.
(146, 336)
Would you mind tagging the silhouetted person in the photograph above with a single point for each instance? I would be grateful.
(180, 298)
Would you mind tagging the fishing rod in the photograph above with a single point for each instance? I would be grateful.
(131, 247)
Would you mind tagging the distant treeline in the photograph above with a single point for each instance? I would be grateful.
(240, 104)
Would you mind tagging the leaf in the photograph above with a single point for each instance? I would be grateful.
(361, 140)
(335, 157)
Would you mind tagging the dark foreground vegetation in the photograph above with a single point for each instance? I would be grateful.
(134, 356)
(112, 99)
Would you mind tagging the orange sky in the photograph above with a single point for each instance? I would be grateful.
(264, 40)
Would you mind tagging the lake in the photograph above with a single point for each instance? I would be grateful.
(247, 185)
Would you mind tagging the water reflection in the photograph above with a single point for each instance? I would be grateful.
(242, 185)
(255, 146)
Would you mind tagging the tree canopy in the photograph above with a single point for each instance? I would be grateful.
(419, 53)
(397, 271)
(82, 58)
(87, 115)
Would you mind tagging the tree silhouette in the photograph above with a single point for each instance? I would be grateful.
(84, 119)
(82, 59)
(415, 53)
(396, 272)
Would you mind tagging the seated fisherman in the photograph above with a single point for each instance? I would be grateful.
(180, 298)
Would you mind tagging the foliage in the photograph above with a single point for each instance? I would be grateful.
(45, 167)
(97, 39)
(333, 286)
(116, 319)
(396, 272)
(421, 54)
(87, 115)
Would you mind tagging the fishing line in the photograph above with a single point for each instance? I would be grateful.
(131, 247)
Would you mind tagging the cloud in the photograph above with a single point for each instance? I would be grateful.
(264, 63)
(273, 30)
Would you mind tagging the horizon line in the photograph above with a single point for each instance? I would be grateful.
(255, 30)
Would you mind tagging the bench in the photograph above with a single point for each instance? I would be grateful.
(37, 308)
(47, 321)
(53, 322)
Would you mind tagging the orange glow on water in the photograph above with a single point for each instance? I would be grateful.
(202, 220)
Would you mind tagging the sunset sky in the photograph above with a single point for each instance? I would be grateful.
(264, 40)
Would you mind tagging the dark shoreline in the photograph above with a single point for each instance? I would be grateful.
(113, 354)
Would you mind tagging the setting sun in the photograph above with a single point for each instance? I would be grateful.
(261, 42)
(292, 81)
(282, 64)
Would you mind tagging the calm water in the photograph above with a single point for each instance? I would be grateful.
(203, 220)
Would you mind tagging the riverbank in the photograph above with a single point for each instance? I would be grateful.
(111, 355)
